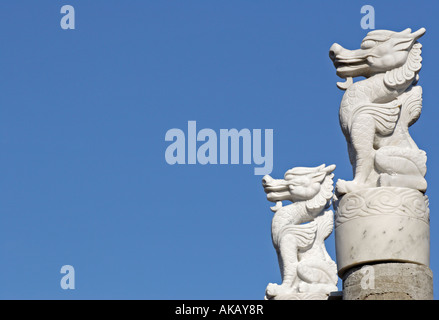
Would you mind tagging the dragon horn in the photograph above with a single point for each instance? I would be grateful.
(419, 33)
(330, 168)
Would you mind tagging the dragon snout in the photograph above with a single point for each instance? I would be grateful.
(266, 180)
(276, 189)
(274, 185)
(334, 51)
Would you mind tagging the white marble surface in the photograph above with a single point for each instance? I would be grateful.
(299, 231)
(382, 224)
(375, 112)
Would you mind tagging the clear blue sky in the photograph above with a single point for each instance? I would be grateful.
(83, 118)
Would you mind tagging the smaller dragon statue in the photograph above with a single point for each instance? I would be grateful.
(299, 231)
(375, 112)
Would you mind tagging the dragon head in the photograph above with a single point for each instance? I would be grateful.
(380, 51)
(301, 184)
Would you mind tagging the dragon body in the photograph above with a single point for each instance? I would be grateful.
(299, 230)
(375, 113)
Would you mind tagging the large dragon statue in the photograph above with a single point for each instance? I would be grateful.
(375, 113)
(299, 230)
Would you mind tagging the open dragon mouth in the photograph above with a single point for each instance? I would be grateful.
(348, 69)
(343, 64)
(275, 188)
(351, 69)
(349, 62)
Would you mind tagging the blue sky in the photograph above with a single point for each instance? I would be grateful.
(83, 118)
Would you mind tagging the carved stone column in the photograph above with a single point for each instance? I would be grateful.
(392, 281)
(382, 228)
(383, 244)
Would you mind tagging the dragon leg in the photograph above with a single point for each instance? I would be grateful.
(317, 275)
(401, 167)
(362, 136)
(367, 120)
(289, 260)
(287, 256)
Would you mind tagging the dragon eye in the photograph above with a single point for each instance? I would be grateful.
(368, 44)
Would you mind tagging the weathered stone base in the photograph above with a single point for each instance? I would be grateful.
(388, 281)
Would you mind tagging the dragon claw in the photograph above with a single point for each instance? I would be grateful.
(274, 289)
(343, 186)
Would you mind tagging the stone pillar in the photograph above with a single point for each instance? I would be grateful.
(388, 281)
(383, 244)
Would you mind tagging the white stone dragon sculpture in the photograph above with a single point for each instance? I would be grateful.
(299, 230)
(375, 113)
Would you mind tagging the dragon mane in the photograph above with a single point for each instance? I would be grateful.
(408, 71)
(322, 199)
